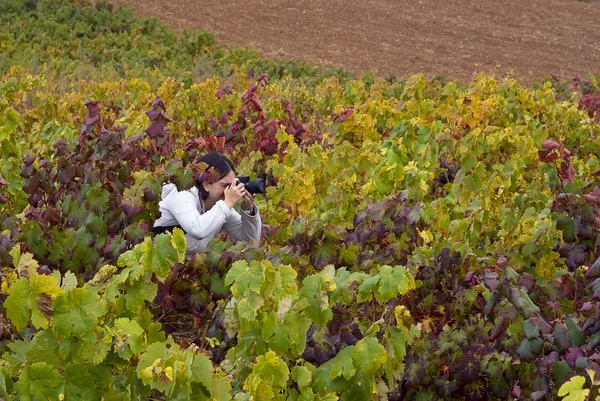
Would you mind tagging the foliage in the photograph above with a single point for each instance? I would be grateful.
(98, 340)
(422, 239)
(69, 41)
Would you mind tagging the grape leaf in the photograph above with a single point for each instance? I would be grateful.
(573, 389)
(22, 301)
(393, 281)
(271, 370)
(247, 277)
(128, 338)
(69, 281)
(132, 260)
(302, 376)
(343, 364)
(369, 356)
(138, 293)
(39, 381)
(95, 350)
(160, 256)
(178, 242)
(314, 301)
(289, 335)
(77, 311)
(220, 390)
(199, 370)
(25, 264)
(399, 338)
(80, 383)
(366, 288)
(529, 349)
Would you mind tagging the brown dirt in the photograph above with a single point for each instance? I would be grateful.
(533, 38)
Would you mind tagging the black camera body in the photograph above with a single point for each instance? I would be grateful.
(253, 186)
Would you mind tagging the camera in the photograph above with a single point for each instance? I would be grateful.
(253, 186)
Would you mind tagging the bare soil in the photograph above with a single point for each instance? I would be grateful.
(457, 39)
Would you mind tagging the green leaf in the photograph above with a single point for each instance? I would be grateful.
(22, 301)
(562, 337)
(561, 371)
(179, 242)
(220, 390)
(520, 299)
(393, 281)
(398, 338)
(529, 349)
(94, 224)
(247, 308)
(155, 353)
(25, 264)
(531, 330)
(44, 348)
(577, 337)
(288, 279)
(366, 288)
(39, 381)
(69, 281)
(132, 260)
(287, 335)
(271, 370)
(96, 200)
(77, 311)
(355, 392)
(155, 333)
(138, 294)
(199, 370)
(12, 119)
(343, 364)
(573, 389)
(80, 383)
(160, 256)
(95, 349)
(369, 356)
(302, 376)
(247, 277)
(567, 226)
(314, 301)
(128, 339)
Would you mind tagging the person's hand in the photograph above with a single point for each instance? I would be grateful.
(248, 201)
(234, 193)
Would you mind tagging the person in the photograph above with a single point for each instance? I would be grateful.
(208, 207)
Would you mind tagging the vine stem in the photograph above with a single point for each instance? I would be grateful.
(139, 389)
(562, 188)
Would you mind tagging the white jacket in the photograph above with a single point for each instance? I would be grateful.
(186, 208)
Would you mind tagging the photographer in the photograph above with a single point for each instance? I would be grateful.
(205, 209)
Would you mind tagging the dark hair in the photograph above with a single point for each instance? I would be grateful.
(217, 161)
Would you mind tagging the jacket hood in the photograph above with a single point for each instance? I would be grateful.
(167, 189)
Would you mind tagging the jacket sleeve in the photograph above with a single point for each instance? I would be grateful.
(184, 208)
(244, 226)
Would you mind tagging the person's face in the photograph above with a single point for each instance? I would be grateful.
(216, 190)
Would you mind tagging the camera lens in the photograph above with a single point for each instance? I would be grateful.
(256, 186)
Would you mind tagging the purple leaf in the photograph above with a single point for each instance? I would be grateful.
(528, 281)
(490, 279)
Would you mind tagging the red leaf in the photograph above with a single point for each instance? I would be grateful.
(592, 199)
(224, 118)
(549, 144)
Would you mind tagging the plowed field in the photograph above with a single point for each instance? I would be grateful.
(457, 38)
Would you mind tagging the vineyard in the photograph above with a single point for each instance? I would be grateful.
(422, 239)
